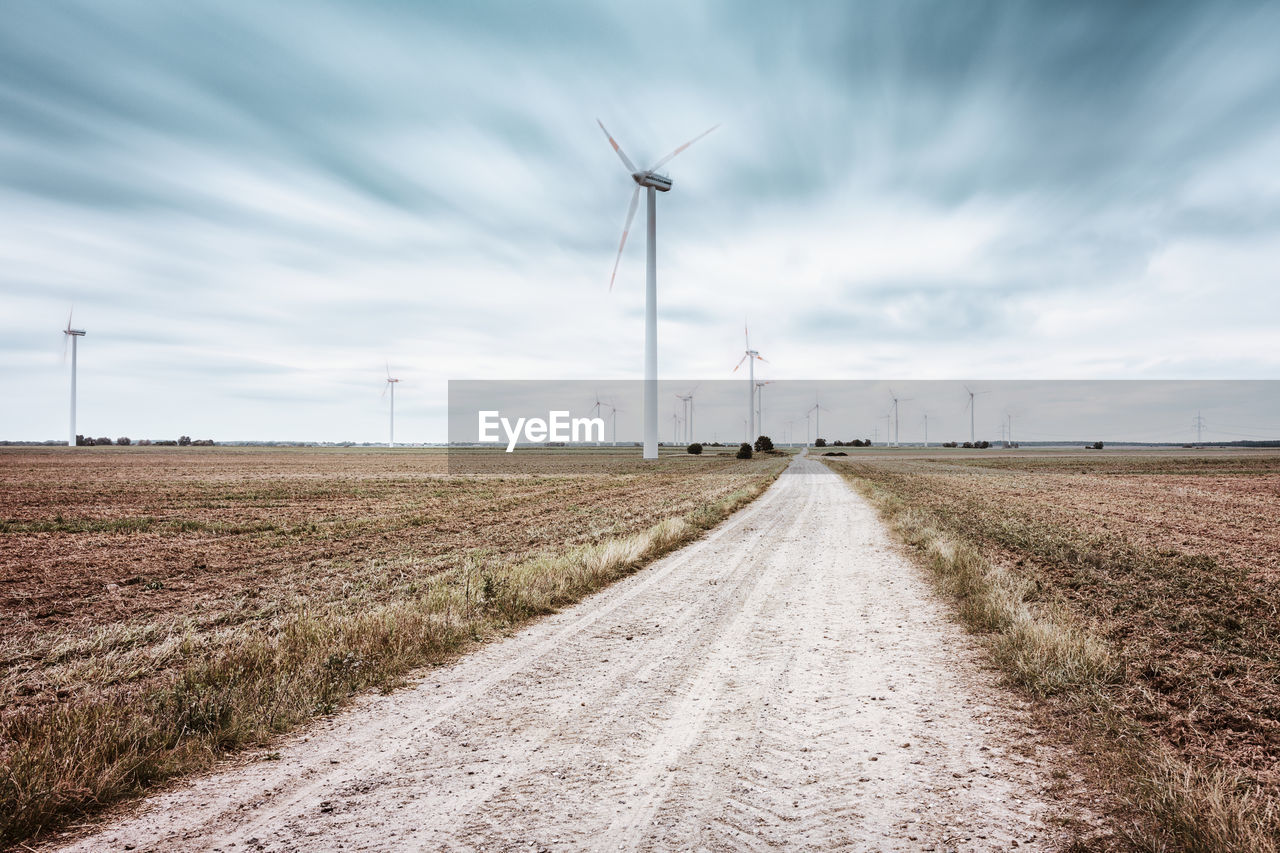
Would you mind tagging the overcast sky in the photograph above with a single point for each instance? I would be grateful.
(253, 206)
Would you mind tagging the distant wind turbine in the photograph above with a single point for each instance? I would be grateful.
(687, 406)
(750, 357)
(650, 180)
(613, 415)
(72, 335)
(760, 404)
(817, 409)
(896, 399)
(391, 383)
(970, 406)
(598, 408)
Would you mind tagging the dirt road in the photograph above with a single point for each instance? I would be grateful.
(788, 681)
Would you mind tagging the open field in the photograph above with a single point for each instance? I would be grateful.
(1139, 595)
(786, 682)
(159, 606)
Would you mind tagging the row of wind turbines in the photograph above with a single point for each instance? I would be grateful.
(682, 424)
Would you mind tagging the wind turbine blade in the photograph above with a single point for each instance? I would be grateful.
(69, 315)
(626, 229)
(667, 159)
(762, 358)
(626, 161)
(739, 364)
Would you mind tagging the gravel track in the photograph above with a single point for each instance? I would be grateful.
(787, 682)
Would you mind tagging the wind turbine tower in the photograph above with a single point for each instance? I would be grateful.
(687, 401)
(970, 406)
(650, 180)
(391, 384)
(896, 399)
(72, 335)
(760, 404)
(597, 408)
(817, 410)
(751, 357)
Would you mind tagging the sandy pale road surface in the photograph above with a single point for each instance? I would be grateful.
(788, 681)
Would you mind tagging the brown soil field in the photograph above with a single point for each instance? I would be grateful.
(1172, 559)
(122, 569)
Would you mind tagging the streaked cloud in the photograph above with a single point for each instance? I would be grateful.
(252, 206)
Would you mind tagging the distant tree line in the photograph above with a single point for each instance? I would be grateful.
(125, 441)
(972, 445)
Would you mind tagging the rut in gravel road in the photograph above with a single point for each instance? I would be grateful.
(788, 681)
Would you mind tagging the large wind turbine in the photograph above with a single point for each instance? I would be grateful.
(648, 179)
(391, 383)
(751, 357)
(969, 405)
(72, 334)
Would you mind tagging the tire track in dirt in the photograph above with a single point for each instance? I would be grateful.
(785, 682)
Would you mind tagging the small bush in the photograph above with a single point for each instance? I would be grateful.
(124, 441)
(820, 442)
(744, 452)
(764, 444)
(695, 449)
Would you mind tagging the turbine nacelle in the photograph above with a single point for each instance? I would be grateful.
(661, 183)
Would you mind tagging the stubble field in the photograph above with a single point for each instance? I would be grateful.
(161, 606)
(1138, 595)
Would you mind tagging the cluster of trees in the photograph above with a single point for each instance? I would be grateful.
(1097, 445)
(979, 445)
(81, 441)
(857, 442)
(125, 441)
